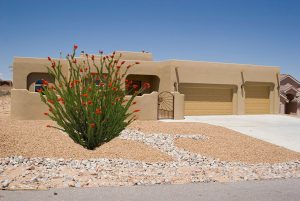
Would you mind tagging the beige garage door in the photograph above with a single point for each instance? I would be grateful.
(207, 101)
(257, 100)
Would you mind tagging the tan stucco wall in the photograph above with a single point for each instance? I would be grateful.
(178, 105)
(27, 105)
(236, 75)
(229, 74)
(147, 103)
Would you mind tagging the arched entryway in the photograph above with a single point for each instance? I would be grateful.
(292, 104)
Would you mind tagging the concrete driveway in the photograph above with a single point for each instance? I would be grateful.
(277, 129)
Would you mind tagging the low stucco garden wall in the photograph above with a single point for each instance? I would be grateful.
(27, 105)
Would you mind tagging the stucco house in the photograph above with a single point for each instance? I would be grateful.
(289, 95)
(178, 87)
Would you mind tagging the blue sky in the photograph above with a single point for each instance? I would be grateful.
(263, 32)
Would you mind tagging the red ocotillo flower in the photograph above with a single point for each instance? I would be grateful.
(136, 110)
(123, 62)
(84, 95)
(146, 85)
(135, 86)
(98, 111)
(53, 64)
(90, 102)
(39, 90)
(83, 103)
(60, 99)
(45, 82)
(133, 103)
(46, 113)
(49, 58)
(93, 57)
(93, 73)
(75, 46)
(50, 101)
(92, 125)
(137, 62)
(48, 126)
(74, 61)
(81, 70)
(128, 66)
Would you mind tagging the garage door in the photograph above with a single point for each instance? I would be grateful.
(257, 100)
(207, 101)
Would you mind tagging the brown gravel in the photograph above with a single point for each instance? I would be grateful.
(223, 143)
(33, 139)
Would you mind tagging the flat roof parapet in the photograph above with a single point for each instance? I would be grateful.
(126, 55)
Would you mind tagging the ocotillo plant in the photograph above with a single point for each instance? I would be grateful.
(89, 103)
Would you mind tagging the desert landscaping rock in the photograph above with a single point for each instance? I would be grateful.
(186, 167)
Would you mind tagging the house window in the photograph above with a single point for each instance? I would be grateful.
(131, 90)
(140, 80)
(35, 81)
(38, 85)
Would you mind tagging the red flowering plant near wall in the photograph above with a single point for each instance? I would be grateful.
(90, 103)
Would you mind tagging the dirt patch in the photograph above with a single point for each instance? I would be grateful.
(31, 138)
(223, 143)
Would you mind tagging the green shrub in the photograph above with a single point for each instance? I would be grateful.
(89, 104)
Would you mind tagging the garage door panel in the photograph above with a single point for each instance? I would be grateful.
(207, 105)
(204, 112)
(210, 98)
(257, 100)
(207, 101)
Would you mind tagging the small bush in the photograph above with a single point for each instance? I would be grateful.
(4, 92)
(89, 104)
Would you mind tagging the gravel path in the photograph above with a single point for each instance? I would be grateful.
(148, 152)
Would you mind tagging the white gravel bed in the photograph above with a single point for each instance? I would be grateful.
(42, 173)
